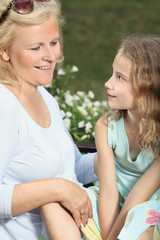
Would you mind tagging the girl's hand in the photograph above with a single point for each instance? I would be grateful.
(76, 200)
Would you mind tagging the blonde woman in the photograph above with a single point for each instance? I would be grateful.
(38, 159)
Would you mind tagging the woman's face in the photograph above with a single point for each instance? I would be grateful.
(35, 51)
(119, 86)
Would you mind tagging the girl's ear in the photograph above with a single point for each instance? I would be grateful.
(4, 55)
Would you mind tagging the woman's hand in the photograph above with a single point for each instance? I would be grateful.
(72, 197)
(76, 200)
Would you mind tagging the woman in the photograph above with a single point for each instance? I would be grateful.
(38, 157)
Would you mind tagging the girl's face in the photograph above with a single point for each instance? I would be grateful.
(35, 51)
(119, 86)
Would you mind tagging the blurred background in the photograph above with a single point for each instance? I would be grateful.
(93, 32)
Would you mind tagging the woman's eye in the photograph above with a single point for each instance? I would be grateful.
(54, 43)
(35, 48)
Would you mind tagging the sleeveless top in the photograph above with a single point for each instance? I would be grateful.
(128, 172)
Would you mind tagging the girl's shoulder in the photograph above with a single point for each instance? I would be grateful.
(101, 123)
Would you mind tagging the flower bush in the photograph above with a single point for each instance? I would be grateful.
(79, 111)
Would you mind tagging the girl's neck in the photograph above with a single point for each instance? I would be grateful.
(132, 117)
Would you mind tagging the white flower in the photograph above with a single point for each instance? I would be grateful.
(95, 114)
(89, 104)
(88, 117)
(62, 113)
(76, 98)
(104, 103)
(75, 69)
(88, 127)
(91, 94)
(82, 110)
(81, 93)
(81, 124)
(84, 105)
(48, 85)
(58, 91)
(93, 134)
(61, 72)
(57, 98)
(67, 122)
(68, 99)
(68, 114)
(86, 100)
(84, 137)
(97, 104)
(63, 105)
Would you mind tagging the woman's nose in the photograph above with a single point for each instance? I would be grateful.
(51, 55)
(109, 84)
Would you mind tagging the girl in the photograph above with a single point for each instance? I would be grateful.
(127, 140)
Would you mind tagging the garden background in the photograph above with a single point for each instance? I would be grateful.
(93, 31)
(91, 36)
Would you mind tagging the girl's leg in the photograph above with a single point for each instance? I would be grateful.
(59, 223)
(148, 234)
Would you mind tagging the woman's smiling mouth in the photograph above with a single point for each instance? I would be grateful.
(43, 67)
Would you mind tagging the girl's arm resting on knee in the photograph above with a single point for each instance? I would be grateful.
(59, 223)
(108, 196)
(28, 196)
(146, 186)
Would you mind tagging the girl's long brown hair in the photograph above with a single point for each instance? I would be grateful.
(144, 53)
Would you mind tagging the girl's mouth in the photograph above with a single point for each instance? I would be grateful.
(110, 96)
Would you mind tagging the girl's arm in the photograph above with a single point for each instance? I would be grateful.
(108, 196)
(59, 223)
(145, 187)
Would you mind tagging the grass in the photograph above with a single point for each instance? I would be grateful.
(93, 31)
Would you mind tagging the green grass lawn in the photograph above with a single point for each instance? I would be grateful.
(94, 30)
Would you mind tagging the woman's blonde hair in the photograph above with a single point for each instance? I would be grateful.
(144, 53)
(41, 12)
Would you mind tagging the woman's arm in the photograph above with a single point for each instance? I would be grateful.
(84, 166)
(108, 197)
(35, 194)
(146, 186)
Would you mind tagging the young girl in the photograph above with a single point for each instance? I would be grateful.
(128, 142)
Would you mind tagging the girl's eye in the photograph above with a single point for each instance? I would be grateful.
(35, 48)
(120, 78)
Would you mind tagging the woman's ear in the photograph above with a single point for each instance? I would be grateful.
(4, 55)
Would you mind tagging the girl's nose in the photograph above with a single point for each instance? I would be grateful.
(109, 84)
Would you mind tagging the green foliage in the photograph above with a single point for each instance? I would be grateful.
(42, 238)
(79, 111)
(93, 32)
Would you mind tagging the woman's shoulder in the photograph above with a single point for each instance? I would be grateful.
(10, 113)
(46, 95)
(7, 100)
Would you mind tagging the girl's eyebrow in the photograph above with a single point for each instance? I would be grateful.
(122, 74)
